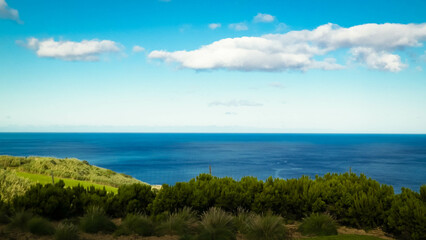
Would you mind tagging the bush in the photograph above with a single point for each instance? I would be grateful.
(136, 224)
(95, 220)
(318, 225)
(181, 223)
(20, 220)
(40, 226)
(242, 220)
(66, 231)
(407, 217)
(216, 224)
(268, 227)
(4, 218)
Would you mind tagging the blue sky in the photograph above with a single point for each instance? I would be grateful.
(213, 66)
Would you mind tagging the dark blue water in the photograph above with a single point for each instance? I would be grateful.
(398, 160)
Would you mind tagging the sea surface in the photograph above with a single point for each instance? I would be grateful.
(157, 158)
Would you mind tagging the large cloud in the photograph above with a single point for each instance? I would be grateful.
(370, 44)
(8, 13)
(86, 50)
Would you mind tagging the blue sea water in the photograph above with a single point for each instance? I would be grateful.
(157, 158)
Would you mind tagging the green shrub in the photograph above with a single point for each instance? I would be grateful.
(4, 218)
(242, 220)
(407, 217)
(217, 224)
(66, 231)
(95, 220)
(181, 223)
(20, 220)
(318, 225)
(268, 227)
(136, 224)
(40, 226)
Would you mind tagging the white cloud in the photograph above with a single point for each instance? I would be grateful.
(276, 85)
(281, 27)
(213, 26)
(238, 26)
(86, 50)
(235, 103)
(263, 17)
(420, 69)
(137, 48)
(371, 44)
(8, 13)
(378, 60)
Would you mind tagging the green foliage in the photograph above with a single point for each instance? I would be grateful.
(12, 185)
(95, 220)
(136, 224)
(217, 224)
(40, 226)
(183, 222)
(267, 227)
(407, 216)
(346, 237)
(134, 198)
(66, 168)
(242, 220)
(44, 179)
(20, 220)
(318, 225)
(66, 231)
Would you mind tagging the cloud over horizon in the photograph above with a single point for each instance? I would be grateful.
(235, 103)
(86, 50)
(8, 13)
(368, 44)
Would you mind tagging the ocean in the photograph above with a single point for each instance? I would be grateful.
(157, 158)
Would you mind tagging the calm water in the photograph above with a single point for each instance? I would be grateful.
(398, 160)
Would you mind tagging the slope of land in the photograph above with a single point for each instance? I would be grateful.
(19, 173)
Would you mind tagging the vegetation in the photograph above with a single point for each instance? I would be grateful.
(217, 224)
(66, 231)
(346, 237)
(40, 226)
(136, 224)
(182, 223)
(12, 185)
(352, 200)
(95, 220)
(20, 220)
(44, 179)
(267, 227)
(318, 225)
(66, 168)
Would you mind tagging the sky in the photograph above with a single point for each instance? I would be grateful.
(213, 66)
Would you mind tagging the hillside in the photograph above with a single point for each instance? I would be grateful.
(19, 173)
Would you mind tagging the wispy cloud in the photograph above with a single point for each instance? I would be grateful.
(369, 44)
(137, 49)
(263, 17)
(238, 26)
(235, 103)
(9, 13)
(86, 50)
(276, 85)
(213, 26)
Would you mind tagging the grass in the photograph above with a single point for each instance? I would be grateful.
(43, 179)
(95, 220)
(346, 237)
(69, 168)
(318, 225)
(40, 226)
(136, 224)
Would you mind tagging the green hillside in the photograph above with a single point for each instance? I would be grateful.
(19, 173)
